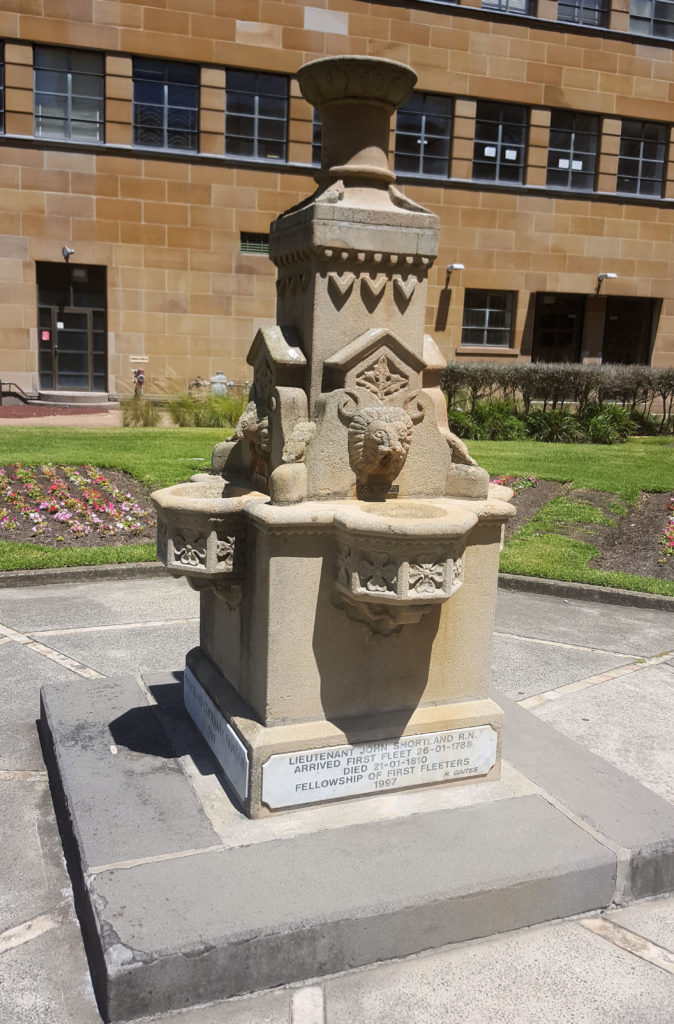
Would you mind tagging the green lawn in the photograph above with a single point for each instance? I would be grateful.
(162, 456)
(642, 464)
(158, 456)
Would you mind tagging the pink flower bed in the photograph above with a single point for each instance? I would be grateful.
(76, 500)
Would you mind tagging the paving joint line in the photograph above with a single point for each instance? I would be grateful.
(112, 626)
(537, 699)
(561, 643)
(25, 932)
(26, 641)
(630, 941)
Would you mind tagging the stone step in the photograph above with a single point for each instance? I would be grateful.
(182, 903)
(73, 397)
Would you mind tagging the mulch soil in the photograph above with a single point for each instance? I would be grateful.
(632, 545)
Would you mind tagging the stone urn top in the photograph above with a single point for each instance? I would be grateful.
(364, 78)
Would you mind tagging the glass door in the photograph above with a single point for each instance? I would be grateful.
(72, 328)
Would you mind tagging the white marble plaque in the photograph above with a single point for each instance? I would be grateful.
(218, 733)
(331, 773)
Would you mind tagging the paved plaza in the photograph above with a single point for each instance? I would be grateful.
(601, 674)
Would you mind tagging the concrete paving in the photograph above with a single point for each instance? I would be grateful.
(616, 967)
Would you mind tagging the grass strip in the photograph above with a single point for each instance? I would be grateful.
(641, 464)
(40, 556)
(538, 550)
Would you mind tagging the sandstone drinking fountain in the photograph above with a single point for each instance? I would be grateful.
(345, 545)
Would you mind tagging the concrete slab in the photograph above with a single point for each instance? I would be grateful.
(596, 718)
(607, 627)
(46, 981)
(630, 816)
(653, 919)
(120, 651)
(522, 667)
(126, 794)
(557, 973)
(263, 1008)
(63, 606)
(169, 923)
(34, 878)
(22, 673)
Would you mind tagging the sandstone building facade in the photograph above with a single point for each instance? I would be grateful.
(158, 139)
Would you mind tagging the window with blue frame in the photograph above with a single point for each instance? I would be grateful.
(69, 94)
(256, 123)
(165, 104)
(572, 151)
(652, 18)
(641, 158)
(509, 6)
(423, 133)
(592, 13)
(499, 148)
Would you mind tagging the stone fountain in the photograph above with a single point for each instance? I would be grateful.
(345, 544)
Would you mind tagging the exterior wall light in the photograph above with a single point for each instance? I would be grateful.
(605, 277)
(454, 266)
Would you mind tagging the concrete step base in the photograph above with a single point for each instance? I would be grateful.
(183, 900)
(73, 397)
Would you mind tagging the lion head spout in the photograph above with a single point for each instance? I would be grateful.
(379, 438)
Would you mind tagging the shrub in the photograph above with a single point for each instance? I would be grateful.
(496, 421)
(552, 425)
(610, 426)
(212, 411)
(462, 423)
(139, 412)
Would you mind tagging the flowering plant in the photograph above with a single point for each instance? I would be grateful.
(52, 500)
(516, 483)
(667, 539)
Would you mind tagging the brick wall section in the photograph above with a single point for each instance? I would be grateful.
(168, 230)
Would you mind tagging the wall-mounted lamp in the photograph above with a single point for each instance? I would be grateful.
(605, 277)
(454, 266)
(66, 253)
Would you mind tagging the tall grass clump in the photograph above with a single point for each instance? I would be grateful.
(213, 411)
(139, 412)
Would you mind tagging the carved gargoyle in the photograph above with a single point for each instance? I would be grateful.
(379, 438)
(254, 430)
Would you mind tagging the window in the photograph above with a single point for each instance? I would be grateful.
(487, 317)
(69, 94)
(641, 160)
(652, 18)
(257, 115)
(165, 104)
(423, 130)
(572, 154)
(317, 138)
(2, 88)
(509, 6)
(583, 12)
(500, 142)
(254, 242)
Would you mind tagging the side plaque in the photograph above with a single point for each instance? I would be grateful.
(218, 733)
(331, 773)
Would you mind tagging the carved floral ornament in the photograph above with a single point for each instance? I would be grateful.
(189, 548)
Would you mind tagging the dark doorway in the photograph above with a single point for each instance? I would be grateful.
(627, 330)
(72, 327)
(558, 327)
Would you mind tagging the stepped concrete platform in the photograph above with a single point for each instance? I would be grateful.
(183, 900)
(73, 397)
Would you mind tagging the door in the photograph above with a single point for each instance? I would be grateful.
(558, 327)
(72, 327)
(627, 330)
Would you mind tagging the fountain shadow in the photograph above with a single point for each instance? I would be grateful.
(379, 679)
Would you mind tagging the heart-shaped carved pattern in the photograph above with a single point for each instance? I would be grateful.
(343, 283)
(405, 287)
(374, 285)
